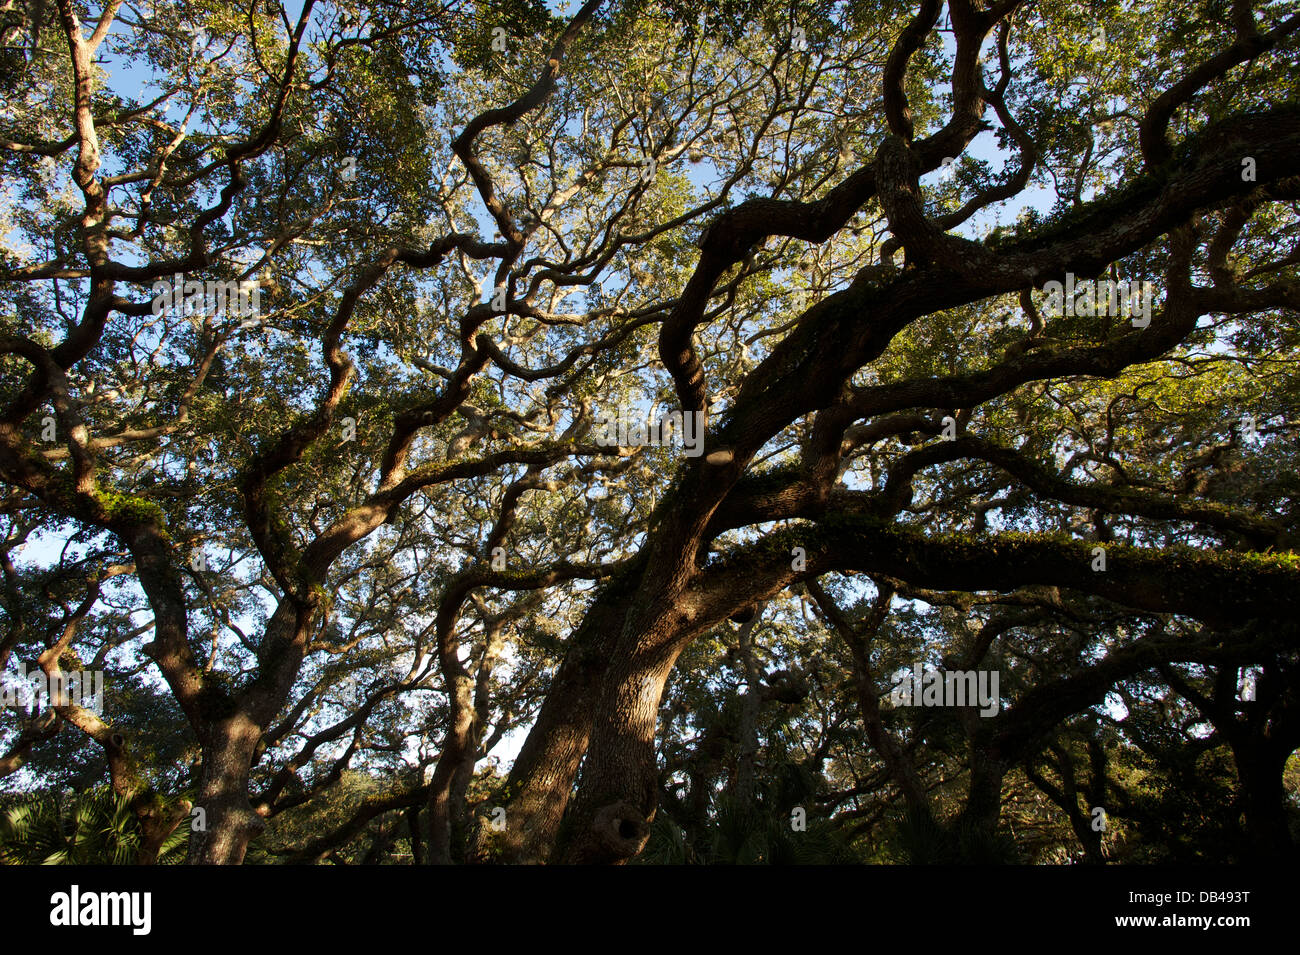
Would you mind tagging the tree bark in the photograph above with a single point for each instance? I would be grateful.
(541, 780)
(229, 746)
(611, 816)
(984, 798)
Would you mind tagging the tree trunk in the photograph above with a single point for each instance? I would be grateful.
(157, 822)
(456, 749)
(983, 807)
(611, 816)
(416, 837)
(231, 823)
(749, 707)
(1260, 765)
(541, 780)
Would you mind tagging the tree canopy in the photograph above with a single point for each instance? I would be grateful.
(335, 340)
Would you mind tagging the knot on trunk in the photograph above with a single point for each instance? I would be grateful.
(621, 829)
